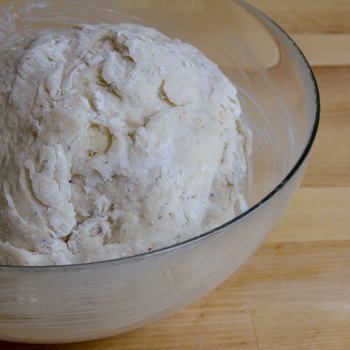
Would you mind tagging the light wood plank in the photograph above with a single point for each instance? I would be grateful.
(322, 326)
(190, 329)
(310, 16)
(330, 161)
(324, 49)
(319, 49)
(288, 272)
(315, 214)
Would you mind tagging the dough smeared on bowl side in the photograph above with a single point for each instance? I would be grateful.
(115, 140)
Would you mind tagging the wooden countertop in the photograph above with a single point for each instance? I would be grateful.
(294, 293)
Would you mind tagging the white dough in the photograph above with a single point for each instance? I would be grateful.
(115, 140)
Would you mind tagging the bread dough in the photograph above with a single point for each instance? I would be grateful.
(115, 140)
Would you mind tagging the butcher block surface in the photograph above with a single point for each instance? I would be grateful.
(294, 292)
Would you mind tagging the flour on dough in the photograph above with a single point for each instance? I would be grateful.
(115, 140)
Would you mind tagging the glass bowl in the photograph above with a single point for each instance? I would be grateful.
(280, 103)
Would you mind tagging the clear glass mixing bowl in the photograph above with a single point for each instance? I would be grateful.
(280, 103)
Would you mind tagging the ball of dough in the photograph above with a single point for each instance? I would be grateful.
(115, 140)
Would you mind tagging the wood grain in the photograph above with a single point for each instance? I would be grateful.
(330, 161)
(308, 16)
(294, 293)
(320, 48)
(221, 327)
(320, 28)
(303, 326)
(311, 211)
(288, 273)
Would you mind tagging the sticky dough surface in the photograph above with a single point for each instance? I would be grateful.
(115, 140)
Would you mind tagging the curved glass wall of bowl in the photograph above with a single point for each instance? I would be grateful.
(280, 104)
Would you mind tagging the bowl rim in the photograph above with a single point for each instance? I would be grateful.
(239, 217)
